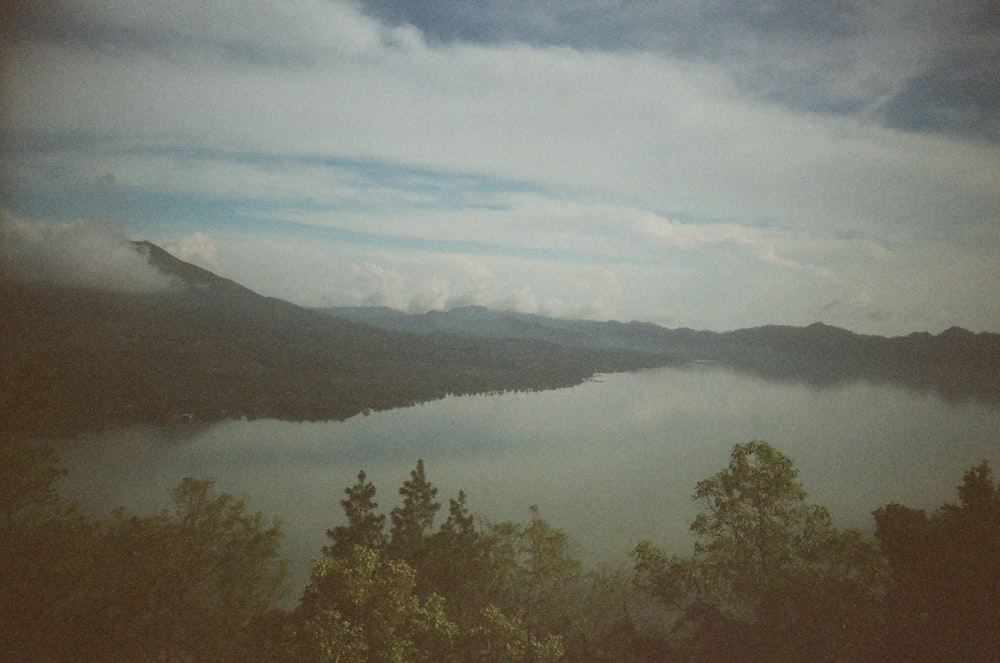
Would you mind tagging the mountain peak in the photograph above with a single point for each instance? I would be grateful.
(188, 274)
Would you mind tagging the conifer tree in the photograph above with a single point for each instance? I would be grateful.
(412, 521)
(364, 525)
(456, 563)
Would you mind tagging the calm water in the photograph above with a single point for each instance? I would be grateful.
(612, 462)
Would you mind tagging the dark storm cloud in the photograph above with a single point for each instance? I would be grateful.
(916, 66)
(622, 24)
(188, 32)
(961, 95)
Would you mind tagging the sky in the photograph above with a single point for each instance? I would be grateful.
(703, 164)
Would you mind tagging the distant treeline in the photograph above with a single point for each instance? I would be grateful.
(770, 579)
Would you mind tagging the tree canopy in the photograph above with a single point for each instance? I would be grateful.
(181, 584)
(364, 524)
(770, 578)
(944, 599)
(412, 521)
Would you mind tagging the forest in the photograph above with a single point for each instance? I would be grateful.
(769, 578)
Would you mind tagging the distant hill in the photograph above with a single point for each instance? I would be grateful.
(956, 363)
(74, 360)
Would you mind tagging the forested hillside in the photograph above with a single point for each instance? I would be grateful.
(956, 363)
(76, 360)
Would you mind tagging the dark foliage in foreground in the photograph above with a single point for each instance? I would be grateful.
(177, 585)
(944, 601)
(770, 580)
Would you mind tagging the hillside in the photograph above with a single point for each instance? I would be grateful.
(956, 363)
(77, 360)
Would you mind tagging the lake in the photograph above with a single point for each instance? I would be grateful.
(612, 461)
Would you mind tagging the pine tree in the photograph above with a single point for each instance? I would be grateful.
(364, 525)
(456, 563)
(412, 521)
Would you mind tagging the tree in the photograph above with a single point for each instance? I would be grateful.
(457, 563)
(412, 521)
(46, 552)
(362, 607)
(364, 525)
(944, 600)
(27, 487)
(771, 578)
(536, 578)
(501, 639)
(615, 622)
(183, 584)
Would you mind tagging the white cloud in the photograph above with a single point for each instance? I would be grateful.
(670, 134)
(91, 254)
(576, 162)
(198, 248)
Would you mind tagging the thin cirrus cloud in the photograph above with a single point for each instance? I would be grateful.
(723, 164)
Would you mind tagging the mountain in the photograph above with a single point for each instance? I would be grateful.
(956, 363)
(188, 275)
(74, 360)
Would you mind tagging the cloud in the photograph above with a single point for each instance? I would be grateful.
(834, 58)
(724, 168)
(85, 254)
(198, 248)
(665, 133)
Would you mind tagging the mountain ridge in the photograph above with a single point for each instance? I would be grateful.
(956, 362)
(74, 360)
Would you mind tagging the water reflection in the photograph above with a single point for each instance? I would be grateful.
(612, 462)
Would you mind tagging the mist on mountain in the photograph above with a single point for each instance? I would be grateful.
(93, 254)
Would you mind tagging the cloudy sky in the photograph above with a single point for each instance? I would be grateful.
(707, 164)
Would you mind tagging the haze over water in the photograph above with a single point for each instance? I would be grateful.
(613, 461)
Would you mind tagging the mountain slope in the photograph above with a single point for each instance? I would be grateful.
(956, 363)
(76, 360)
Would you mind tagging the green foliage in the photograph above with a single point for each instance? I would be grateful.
(535, 574)
(181, 585)
(45, 557)
(412, 521)
(457, 564)
(497, 637)
(770, 578)
(364, 524)
(187, 583)
(944, 600)
(362, 607)
(615, 622)
(27, 492)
